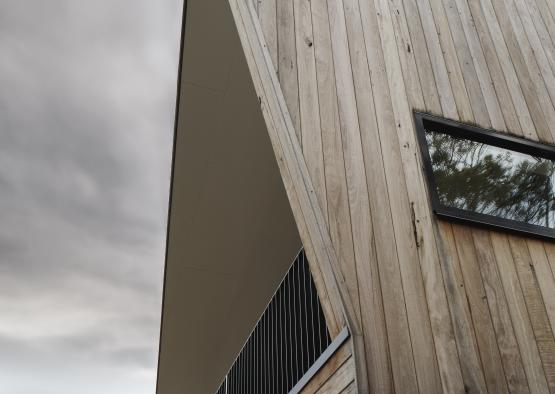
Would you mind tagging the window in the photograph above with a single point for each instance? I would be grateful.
(488, 178)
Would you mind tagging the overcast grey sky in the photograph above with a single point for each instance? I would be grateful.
(87, 92)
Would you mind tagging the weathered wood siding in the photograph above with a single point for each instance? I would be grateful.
(336, 376)
(441, 306)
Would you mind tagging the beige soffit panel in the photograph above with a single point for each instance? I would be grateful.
(231, 234)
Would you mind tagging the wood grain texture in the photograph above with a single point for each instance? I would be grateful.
(471, 367)
(479, 310)
(519, 315)
(441, 307)
(340, 380)
(339, 217)
(536, 308)
(287, 59)
(311, 220)
(331, 367)
(499, 311)
(267, 12)
(280, 130)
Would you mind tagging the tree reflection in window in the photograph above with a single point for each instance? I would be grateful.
(486, 179)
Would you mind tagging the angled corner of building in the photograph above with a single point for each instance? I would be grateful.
(362, 198)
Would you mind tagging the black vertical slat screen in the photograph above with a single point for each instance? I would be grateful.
(290, 335)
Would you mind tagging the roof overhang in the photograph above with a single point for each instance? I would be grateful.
(231, 233)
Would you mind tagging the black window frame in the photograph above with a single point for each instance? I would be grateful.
(424, 121)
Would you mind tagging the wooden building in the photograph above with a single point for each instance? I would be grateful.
(430, 239)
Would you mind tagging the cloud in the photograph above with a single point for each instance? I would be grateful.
(86, 124)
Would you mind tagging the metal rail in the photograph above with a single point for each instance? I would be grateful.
(290, 337)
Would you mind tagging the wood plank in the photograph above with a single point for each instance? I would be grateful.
(522, 110)
(480, 113)
(523, 58)
(470, 75)
(403, 376)
(329, 369)
(449, 54)
(462, 321)
(267, 12)
(388, 116)
(438, 66)
(359, 205)
(350, 313)
(544, 275)
(344, 376)
(404, 232)
(467, 347)
(311, 134)
(479, 310)
(550, 252)
(413, 89)
(519, 314)
(481, 66)
(287, 60)
(543, 48)
(499, 310)
(270, 91)
(495, 10)
(547, 16)
(444, 336)
(536, 308)
(418, 47)
(289, 158)
(329, 306)
(541, 24)
(334, 168)
(501, 90)
(370, 288)
(286, 134)
(350, 389)
(550, 7)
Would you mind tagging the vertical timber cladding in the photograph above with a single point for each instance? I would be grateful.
(443, 307)
(311, 220)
